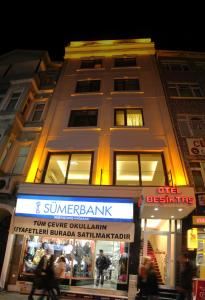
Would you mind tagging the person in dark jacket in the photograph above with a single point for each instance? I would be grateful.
(101, 265)
(152, 282)
(186, 275)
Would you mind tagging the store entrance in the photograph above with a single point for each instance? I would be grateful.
(79, 257)
(158, 243)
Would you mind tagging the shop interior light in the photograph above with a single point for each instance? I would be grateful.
(172, 217)
(149, 166)
(180, 209)
(152, 216)
(156, 208)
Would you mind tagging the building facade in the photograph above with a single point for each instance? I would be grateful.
(27, 81)
(106, 173)
(183, 77)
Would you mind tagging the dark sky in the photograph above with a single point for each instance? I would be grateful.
(32, 25)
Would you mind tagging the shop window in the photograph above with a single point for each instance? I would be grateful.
(128, 117)
(87, 86)
(80, 118)
(130, 84)
(125, 62)
(144, 169)
(91, 63)
(80, 258)
(71, 168)
(21, 159)
(198, 173)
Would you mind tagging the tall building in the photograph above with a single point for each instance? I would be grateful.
(183, 77)
(27, 82)
(106, 174)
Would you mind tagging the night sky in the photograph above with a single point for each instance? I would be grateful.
(32, 25)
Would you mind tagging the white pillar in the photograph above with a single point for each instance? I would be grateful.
(7, 258)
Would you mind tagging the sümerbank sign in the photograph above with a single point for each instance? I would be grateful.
(75, 208)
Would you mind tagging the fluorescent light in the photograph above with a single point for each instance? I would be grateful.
(149, 166)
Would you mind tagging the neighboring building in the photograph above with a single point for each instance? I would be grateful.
(106, 174)
(183, 77)
(27, 82)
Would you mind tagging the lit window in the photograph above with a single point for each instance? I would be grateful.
(128, 117)
(144, 169)
(71, 168)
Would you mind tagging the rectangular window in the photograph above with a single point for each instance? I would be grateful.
(128, 117)
(141, 169)
(125, 62)
(191, 125)
(37, 112)
(88, 86)
(185, 90)
(91, 64)
(21, 159)
(80, 118)
(70, 168)
(175, 66)
(130, 84)
(198, 174)
(13, 101)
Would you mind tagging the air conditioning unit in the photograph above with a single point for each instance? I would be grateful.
(6, 185)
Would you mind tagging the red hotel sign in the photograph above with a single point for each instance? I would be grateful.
(168, 195)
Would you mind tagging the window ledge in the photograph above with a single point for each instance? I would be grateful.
(82, 128)
(130, 68)
(191, 97)
(126, 92)
(90, 69)
(86, 94)
(115, 128)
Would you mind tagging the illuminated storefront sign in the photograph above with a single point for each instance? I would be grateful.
(196, 146)
(75, 208)
(168, 196)
(198, 220)
(192, 241)
(74, 229)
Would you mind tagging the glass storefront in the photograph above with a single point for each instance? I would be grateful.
(80, 256)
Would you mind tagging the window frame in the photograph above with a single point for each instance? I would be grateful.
(125, 116)
(77, 91)
(124, 60)
(187, 119)
(97, 63)
(82, 110)
(137, 154)
(33, 111)
(68, 166)
(9, 99)
(123, 83)
(193, 87)
(198, 169)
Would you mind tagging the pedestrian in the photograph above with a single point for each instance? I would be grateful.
(152, 286)
(142, 278)
(40, 274)
(186, 275)
(50, 284)
(101, 265)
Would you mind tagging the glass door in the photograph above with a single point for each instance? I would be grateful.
(158, 243)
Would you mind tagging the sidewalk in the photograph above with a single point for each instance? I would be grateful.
(14, 296)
